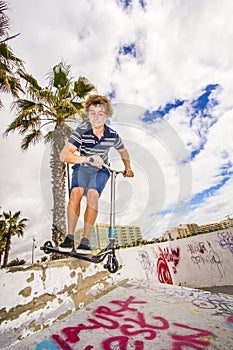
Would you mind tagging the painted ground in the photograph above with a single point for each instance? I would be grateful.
(141, 315)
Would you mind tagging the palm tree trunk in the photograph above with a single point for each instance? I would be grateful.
(7, 249)
(58, 170)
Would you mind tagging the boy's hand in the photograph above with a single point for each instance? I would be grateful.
(128, 173)
(95, 160)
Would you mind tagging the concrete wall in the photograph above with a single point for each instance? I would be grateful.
(35, 297)
(198, 261)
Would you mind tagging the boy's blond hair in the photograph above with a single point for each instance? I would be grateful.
(99, 100)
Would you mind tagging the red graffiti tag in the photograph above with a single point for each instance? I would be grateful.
(230, 321)
(121, 342)
(130, 323)
(191, 338)
(172, 256)
(164, 275)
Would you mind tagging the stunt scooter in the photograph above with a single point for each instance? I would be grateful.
(112, 264)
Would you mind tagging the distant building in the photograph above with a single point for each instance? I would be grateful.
(193, 229)
(124, 235)
(181, 232)
(215, 226)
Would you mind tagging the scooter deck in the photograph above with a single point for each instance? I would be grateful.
(88, 257)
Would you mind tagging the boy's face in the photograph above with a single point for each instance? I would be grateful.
(97, 115)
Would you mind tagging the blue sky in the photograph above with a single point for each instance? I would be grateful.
(167, 66)
(201, 107)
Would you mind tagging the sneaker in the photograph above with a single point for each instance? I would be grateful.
(84, 246)
(68, 244)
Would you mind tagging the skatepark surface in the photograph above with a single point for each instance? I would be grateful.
(142, 315)
(174, 295)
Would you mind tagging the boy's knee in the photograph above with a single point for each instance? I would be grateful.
(76, 195)
(92, 197)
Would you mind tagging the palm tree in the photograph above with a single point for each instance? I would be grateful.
(13, 226)
(9, 63)
(55, 105)
(2, 237)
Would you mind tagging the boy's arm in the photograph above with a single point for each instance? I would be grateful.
(68, 155)
(126, 160)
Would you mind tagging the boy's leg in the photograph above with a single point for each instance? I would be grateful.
(73, 212)
(73, 209)
(97, 182)
(90, 216)
(91, 211)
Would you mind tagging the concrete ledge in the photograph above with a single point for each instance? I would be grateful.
(35, 297)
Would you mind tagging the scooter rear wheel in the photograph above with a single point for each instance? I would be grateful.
(49, 245)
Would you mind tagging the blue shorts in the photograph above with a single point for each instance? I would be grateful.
(89, 177)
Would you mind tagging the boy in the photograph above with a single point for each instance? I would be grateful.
(93, 140)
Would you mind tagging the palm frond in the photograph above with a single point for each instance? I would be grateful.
(6, 215)
(29, 79)
(64, 92)
(16, 215)
(30, 124)
(77, 105)
(48, 137)
(26, 109)
(13, 126)
(4, 19)
(7, 56)
(9, 38)
(3, 7)
(4, 83)
(4, 68)
(47, 95)
(23, 124)
(82, 87)
(24, 105)
(32, 138)
(14, 85)
(58, 76)
(64, 110)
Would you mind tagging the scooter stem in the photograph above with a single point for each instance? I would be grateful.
(112, 207)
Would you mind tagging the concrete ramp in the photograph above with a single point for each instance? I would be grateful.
(141, 315)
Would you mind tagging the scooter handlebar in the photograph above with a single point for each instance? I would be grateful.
(91, 160)
(114, 170)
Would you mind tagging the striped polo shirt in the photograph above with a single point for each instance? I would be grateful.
(88, 144)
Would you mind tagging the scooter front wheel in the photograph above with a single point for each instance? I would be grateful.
(112, 265)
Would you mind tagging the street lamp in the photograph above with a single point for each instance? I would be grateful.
(33, 248)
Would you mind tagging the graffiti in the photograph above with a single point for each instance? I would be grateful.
(197, 247)
(132, 327)
(226, 240)
(193, 338)
(222, 305)
(230, 321)
(47, 345)
(147, 264)
(172, 255)
(163, 257)
(167, 255)
(202, 253)
(164, 275)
